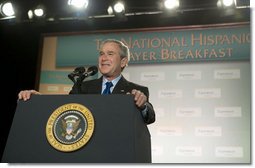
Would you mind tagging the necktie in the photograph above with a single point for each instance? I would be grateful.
(107, 89)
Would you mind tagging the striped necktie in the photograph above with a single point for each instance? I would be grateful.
(107, 89)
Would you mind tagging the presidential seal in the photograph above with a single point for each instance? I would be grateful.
(70, 127)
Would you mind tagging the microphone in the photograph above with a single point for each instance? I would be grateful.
(91, 71)
(77, 71)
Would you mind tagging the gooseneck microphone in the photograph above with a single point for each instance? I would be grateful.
(79, 73)
(91, 71)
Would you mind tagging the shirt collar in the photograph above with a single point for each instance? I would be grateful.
(114, 81)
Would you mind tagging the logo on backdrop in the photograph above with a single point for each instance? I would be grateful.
(70, 127)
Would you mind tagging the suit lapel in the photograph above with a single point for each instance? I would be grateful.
(96, 86)
(121, 87)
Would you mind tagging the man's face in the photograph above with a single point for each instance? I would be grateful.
(109, 61)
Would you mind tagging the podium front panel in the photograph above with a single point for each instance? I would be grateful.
(119, 136)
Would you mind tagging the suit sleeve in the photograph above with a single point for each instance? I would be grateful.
(150, 113)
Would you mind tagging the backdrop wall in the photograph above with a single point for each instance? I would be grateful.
(199, 80)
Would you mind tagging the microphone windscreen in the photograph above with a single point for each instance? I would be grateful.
(93, 70)
(79, 70)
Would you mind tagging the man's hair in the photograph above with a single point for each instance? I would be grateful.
(124, 50)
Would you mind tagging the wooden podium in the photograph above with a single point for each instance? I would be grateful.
(119, 136)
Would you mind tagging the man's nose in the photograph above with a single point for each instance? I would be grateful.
(104, 57)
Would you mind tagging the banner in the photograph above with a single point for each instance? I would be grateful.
(160, 46)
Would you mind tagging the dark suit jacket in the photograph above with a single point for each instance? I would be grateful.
(122, 87)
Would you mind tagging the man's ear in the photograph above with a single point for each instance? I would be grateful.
(124, 62)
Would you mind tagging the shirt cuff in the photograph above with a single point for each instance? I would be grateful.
(144, 111)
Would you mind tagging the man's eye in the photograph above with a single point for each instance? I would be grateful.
(111, 53)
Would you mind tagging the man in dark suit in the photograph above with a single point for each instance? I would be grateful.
(113, 58)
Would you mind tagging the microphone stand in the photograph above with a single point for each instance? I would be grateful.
(77, 82)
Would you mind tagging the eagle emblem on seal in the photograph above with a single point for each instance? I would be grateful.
(70, 126)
